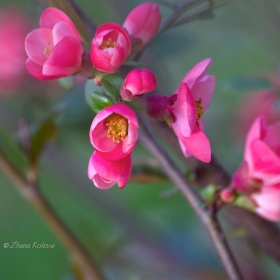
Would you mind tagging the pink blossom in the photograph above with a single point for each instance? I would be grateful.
(55, 49)
(258, 177)
(254, 104)
(105, 174)
(142, 23)
(113, 132)
(110, 47)
(13, 28)
(137, 83)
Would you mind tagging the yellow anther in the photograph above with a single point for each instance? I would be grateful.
(109, 43)
(47, 50)
(199, 110)
(117, 127)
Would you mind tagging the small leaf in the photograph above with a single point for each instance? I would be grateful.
(67, 83)
(208, 193)
(111, 85)
(68, 9)
(95, 98)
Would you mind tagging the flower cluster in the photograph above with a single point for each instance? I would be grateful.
(56, 50)
(258, 177)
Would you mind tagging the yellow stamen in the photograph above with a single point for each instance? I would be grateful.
(199, 110)
(109, 43)
(117, 127)
(47, 50)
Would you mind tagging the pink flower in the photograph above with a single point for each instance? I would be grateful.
(55, 50)
(13, 28)
(254, 104)
(183, 110)
(258, 177)
(110, 47)
(113, 132)
(137, 83)
(142, 23)
(105, 174)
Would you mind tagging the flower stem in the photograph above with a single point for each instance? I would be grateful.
(30, 191)
(178, 178)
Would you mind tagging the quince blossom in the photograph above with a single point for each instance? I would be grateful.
(105, 174)
(183, 110)
(110, 47)
(137, 83)
(258, 177)
(55, 49)
(113, 132)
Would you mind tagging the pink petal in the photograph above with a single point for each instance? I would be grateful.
(118, 171)
(35, 70)
(97, 180)
(65, 58)
(204, 90)
(272, 137)
(51, 16)
(197, 72)
(36, 42)
(263, 158)
(198, 145)
(131, 138)
(268, 203)
(185, 111)
(254, 133)
(61, 30)
(133, 81)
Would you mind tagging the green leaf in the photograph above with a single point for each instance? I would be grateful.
(68, 9)
(208, 193)
(95, 98)
(11, 151)
(67, 83)
(43, 132)
(111, 85)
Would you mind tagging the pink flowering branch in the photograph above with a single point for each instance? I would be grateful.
(29, 189)
(179, 179)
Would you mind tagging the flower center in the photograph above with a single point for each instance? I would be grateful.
(199, 110)
(107, 43)
(117, 127)
(47, 50)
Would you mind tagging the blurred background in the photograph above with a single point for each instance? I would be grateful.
(139, 232)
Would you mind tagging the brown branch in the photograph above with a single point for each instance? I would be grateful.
(264, 233)
(178, 178)
(79, 255)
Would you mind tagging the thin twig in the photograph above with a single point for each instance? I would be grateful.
(79, 255)
(179, 179)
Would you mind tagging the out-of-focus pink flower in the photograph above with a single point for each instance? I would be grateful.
(137, 83)
(105, 174)
(55, 49)
(142, 23)
(258, 177)
(13, 28)
(110, 47)
(113, 132)
(259, 103)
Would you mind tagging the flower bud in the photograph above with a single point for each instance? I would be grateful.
(137, 83)
(142, 23)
